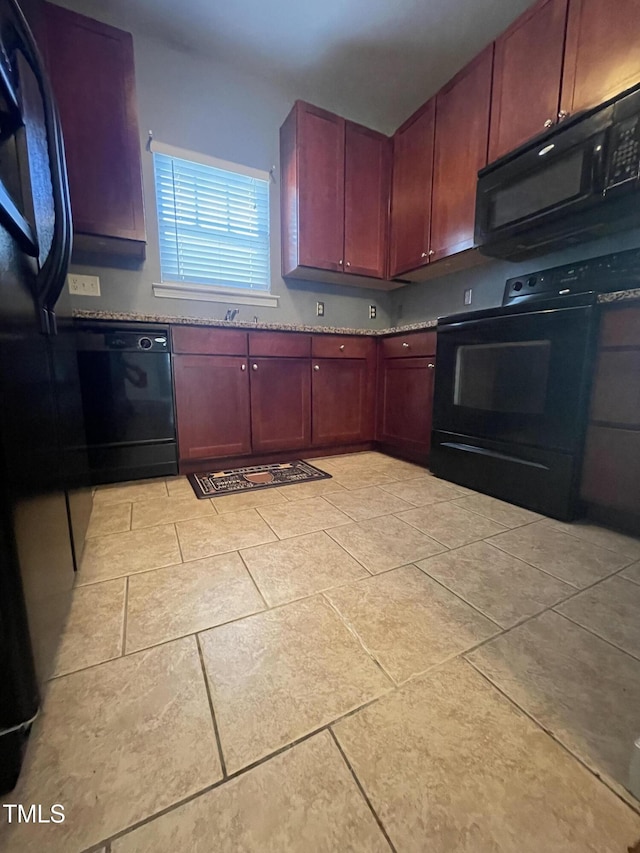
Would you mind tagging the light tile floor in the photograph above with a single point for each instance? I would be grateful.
(380, 661)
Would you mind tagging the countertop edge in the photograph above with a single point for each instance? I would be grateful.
(133, 317)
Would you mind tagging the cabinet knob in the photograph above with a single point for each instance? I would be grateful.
(432, 252)
(341, 347)
(423, 255)
(348, 263)
(254, 367)
(243, 367)
(548, 122)
(431, 366)
(316, 367)
(340, 262)
(562, 115)
(405, 345)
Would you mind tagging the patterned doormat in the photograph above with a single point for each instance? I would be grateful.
(254, 477)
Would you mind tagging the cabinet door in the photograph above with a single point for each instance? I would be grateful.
(212, 406)
(411, 191)
(92, 74)
(602, 56)
(366, 200)
(341, 401)
(280, 403)
(320, 142)
(406, 403)
(523, 101)
(462, 134)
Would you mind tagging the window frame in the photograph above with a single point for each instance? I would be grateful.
(213, 292)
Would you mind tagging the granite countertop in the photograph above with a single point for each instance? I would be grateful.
(620, 295)
(124, 317)
(130, 317)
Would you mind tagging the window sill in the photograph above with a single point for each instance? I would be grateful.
(210, 293)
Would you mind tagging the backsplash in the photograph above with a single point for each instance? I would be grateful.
(439, 297)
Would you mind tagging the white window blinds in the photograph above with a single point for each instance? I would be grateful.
(213, 224)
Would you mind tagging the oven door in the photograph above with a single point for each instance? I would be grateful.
(519, 379)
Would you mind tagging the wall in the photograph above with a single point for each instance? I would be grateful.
(442, 296)
(200, 104)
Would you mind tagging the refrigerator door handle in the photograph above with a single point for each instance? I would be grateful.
(51, 277)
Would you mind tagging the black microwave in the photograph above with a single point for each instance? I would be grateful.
(576, 182)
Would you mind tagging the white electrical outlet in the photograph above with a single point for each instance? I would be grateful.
(467, 296)
(83, 285)
(372, 312)
(319, 309)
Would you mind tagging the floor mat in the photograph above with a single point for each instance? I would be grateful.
(254, 477)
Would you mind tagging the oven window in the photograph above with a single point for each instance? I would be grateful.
(507, 377)
(548, 187)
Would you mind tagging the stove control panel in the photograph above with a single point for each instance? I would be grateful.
(618, 271)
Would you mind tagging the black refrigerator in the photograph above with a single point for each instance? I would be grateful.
(44, 499)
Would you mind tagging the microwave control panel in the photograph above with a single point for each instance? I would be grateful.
(624, 153)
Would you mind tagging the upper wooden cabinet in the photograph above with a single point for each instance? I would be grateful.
(411, 191)
(526, 77)
(92, 73)
(602, 56)
(461, 139)
(334, 196)
(312, 192)
(367, 175)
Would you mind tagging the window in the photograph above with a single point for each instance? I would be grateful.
(213, 226)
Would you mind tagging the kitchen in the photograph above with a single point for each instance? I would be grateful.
(418, 550)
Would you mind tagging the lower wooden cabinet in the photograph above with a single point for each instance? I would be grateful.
(280, 403)
(342, 401)
(406, 374)
(611, 470)
(212, 405)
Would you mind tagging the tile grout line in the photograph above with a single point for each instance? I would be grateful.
(124, 616)
(607, 781)
(547, 609)
(593, 633)
(360, 787)
(216, 732)
(359, 639)
(230, 778)
(175, 528)
(255, 583)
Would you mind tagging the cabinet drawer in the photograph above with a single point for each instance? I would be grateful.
(620, 328)
(206, 341)
(342, 346)
(279, 344)
(416, 344)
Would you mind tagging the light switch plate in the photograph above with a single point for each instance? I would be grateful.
(467, 296)
(83, 285)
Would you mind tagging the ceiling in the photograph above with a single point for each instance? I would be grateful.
(374, 61)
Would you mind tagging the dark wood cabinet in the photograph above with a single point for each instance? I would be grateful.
(602, 56)
(91, 66)
(526, 77)
(212, 405)
(280, 404)
(312, 190)
(406, 373)
(367, 174)
(341, 401)
(461, 139)
(611, 471)
(411, 192)
(335, 182)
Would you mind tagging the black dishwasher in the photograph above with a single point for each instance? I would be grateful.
(127, 396)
